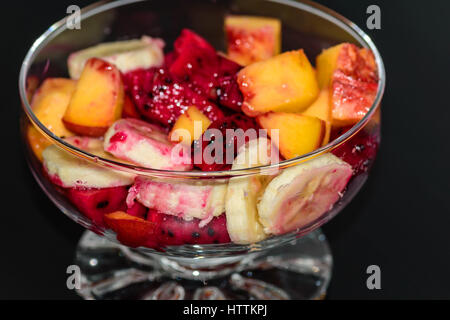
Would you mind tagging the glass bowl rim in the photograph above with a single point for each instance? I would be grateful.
(101, 6)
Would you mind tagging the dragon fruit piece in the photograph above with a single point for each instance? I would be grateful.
(229, 94)
(197, 63)
(171, 230)
(228, 67)
(160, 97)
(95, 203)
(360, 151)
(169, 58)
(233, 122)
(193, 53)
(137, 210)
(137, 83)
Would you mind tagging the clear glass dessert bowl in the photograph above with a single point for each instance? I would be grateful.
(292, 265)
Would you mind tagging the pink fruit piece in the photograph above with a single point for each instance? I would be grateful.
(160, 97)
(359, 151)
(171, 230)
(137, 210)
(229, 94)
(169, 58)
(228, 67)
(196, 61)
(95, 203)
(231, 143)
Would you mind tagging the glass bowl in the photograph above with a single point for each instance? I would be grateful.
(296, 265)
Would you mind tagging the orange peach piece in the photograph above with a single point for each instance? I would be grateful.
(194, 122)
(351, 75)
(251, 39)
(98, 99)
(321, 108)
(37, 141)
(131, 231)
(326, 64)
(31, 86)
(50, 102)
(297, 134)
(284, 83)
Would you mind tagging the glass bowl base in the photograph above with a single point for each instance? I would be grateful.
(299, 270)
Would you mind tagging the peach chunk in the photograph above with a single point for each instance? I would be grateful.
(31, 86)
(97, 101)
(297, 134)
(37, 141)
(252, 39)
(131, 231)
(194, 122)
(351, 75)
(50, 102)
(284, 83)
(321, 108)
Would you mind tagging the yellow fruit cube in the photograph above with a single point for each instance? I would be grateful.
(50, 102)
(294, 134)
(97, 101)
(189, 126)
(321, 108)
(284, 83)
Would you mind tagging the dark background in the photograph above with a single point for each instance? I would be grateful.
(399, 221)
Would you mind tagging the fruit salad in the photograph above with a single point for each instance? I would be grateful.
(194, 108)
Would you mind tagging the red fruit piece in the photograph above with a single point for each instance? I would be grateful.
(229, 94)
(352, 97)
(196, 62)
(231, 143)
(228, 67)
(137, 83)
(359, 151)
(95, 203)
(137, 210)
(159, 97)
(131, 231)
(169, 58)
(171, 230)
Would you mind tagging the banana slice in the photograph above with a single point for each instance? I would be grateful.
(147, 145)
(126, 55)
(185, 198)
(69, 171)
(303, 193)
(240, 204)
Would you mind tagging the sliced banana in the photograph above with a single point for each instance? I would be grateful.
(69, 171)
(185, 198)
(145, 144)
(242, 194)
(303, 193)
(126, 55)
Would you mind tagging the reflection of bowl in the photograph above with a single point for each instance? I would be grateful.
(305, 25)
